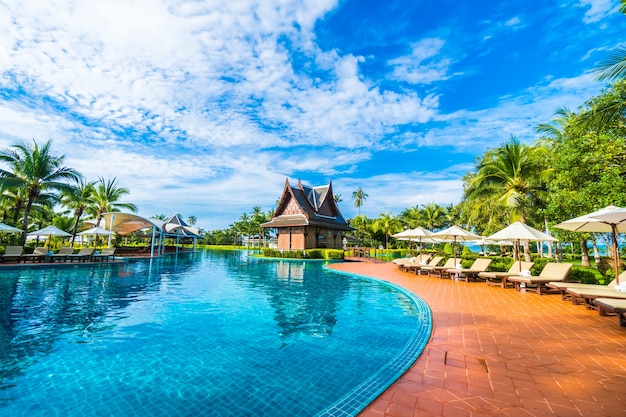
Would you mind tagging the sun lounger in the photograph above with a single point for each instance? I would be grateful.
(408, 263)
(39, 254)
(612, 305)
(13, 253)
(62, 255)
(588, 295)
(479, 265)
(417, 269)
(83, 255)
(438, 270)
(500, 277)
(104, 255)
(552, 272)
(562, 286)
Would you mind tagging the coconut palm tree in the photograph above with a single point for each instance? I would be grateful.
(359, 197)
(37, 171)
(433, 215)
(614, 66)
(511, 175)
(107, 197)
(388, 224)
(78, 198)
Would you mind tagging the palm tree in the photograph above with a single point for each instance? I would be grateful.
(511, 176)
(192, 220)
(433, 215)
(78, 198)
(107, 198)
(614, 66)
(36, 170)
(359, 198)
(360, 223)
(388, 224)
(411, 217)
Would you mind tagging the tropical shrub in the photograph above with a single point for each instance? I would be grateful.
(583, 275)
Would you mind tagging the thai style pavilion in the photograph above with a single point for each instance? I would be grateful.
(308, 217)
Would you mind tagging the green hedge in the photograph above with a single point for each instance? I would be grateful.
(331, 254)
(583, 275)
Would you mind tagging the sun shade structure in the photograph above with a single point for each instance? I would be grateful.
(126, 223)
(5, 228)
(454, 234)
(518, 232)
(50, 231)
(611, 219)
(419, 233)
(96, 231)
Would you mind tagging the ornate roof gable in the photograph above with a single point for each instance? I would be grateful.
(288, 203)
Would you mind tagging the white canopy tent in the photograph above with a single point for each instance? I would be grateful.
(126, 223)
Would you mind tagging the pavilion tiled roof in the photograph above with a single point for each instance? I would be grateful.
(308, 206)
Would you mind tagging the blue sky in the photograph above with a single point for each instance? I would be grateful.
(204, 108)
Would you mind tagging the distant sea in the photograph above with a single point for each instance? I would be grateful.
(564, 245)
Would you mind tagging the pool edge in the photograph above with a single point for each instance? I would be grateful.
(367, 391)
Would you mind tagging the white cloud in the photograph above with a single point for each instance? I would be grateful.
(424, 65)
(598, 9)
(200, 107)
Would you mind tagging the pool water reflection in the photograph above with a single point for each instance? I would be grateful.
(214, 333)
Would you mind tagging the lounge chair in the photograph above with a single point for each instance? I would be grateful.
(552, 272)
(417, 263)
(13, 252)
(417, 269)
(612, 305)
(500, 277)
(588, 295)
(479, 265)
(39, 254)
(83, 255)
(408, 263)
(105, 255)
(63, 253)
(562, 286)
(439, 270)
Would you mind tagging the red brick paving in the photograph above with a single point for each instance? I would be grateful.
(499, 352)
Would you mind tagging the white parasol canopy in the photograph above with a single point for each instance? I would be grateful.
(96, 231)
(419, 233)
(455, 233)
(611, 219)
(519, 231)
(49, 231)
(9, 229)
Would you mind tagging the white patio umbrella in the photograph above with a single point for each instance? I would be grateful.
(96, 231)
(419, 233)
(518, 232)
(9, 229)
(455, 233)
(611, 219)
(50, 231)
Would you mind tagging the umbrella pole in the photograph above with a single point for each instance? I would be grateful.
(519, 256)
(615, 253)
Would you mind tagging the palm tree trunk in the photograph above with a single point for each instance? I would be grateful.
(585, 254)
(596, 253)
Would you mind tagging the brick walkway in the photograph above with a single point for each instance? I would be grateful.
(497, 352)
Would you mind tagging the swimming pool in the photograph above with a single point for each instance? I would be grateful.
(214, 333)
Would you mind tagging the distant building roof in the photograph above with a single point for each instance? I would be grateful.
(303, 205)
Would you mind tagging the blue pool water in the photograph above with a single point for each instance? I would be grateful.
(212, 334)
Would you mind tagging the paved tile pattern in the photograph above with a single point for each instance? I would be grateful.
(498, 352)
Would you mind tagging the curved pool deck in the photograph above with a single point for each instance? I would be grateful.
(497, 352)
